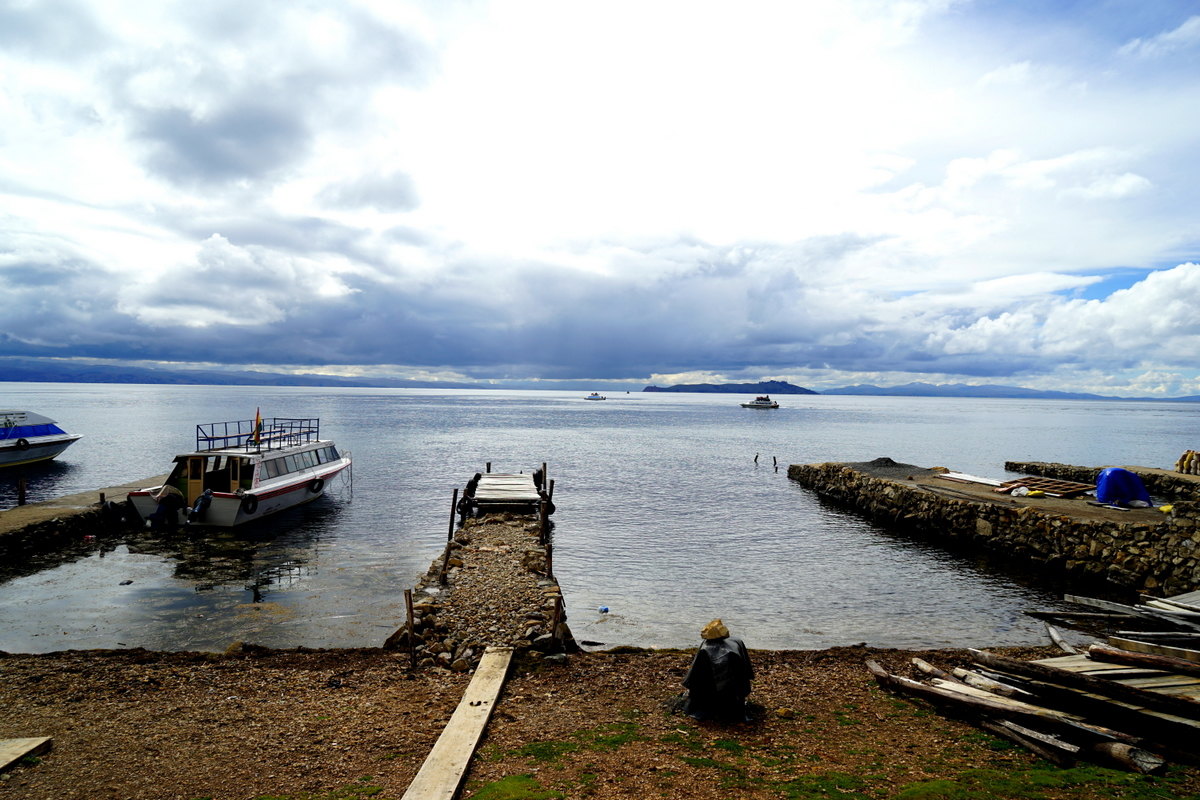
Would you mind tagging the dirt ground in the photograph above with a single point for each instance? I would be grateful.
(328, 725)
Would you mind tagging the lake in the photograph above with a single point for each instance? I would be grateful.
(664, 515)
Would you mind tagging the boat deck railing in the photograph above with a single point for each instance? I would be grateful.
(273, 433)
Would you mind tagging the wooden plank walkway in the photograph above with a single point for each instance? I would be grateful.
(498, 489)
(443, 770)
(13, 750)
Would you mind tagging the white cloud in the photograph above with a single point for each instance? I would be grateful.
(1185, 36)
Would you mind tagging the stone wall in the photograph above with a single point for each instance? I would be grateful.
(1159, 483)
(1159, 558)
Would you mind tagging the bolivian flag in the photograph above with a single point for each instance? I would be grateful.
(257, 425)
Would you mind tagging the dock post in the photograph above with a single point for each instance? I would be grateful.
(550, 494)
(489, 468)
(453, 507)
(544, 520)
(21, 490)
(543, 486)
(549, 559)
(412, 630)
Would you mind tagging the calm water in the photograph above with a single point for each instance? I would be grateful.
(663, 515)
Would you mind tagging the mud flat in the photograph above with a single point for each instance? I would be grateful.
(1132, 549)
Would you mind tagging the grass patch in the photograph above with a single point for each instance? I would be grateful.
(1041, 784)
(834, 784)
(731, 746)
(516, 787)
(547, 751)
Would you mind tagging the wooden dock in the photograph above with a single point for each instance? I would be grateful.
(496, 490)
(443, 770)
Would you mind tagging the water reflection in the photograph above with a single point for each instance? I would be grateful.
(43, 481)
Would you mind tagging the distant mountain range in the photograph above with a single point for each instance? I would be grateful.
(985, 390)
(36, 371)
(764, 387)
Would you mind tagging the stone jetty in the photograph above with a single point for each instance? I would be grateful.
(492, 587)
(1149, 550)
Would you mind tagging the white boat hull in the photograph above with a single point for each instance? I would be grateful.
(30, 450)
(229, 510)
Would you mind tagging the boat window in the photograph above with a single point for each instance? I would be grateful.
(290, 461)
(320, 454)
(333, 453)
(195, 469)
(271, 468)
(310, 459)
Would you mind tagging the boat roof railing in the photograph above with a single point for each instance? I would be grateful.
(273, 433)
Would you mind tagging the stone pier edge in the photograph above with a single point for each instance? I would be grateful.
(1158, 558)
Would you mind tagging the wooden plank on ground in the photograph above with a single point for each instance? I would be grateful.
(1186, 653)
(13, 750)
(443, 770)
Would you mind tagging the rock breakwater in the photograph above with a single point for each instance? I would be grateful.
(498, 590)
(1155, 552)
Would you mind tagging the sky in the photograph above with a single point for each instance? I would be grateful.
(830, 192)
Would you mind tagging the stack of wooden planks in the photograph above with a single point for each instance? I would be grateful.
(1050, 486)
(1108, 705)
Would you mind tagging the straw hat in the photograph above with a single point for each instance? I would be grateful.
(714, 630)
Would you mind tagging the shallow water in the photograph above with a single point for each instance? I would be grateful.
(664, 517)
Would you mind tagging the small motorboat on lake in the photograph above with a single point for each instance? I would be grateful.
(243, 471)
(26, 437)
(761, 402)
(595, 396)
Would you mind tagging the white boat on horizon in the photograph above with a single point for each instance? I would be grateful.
(26, 438)
(595, 396)
(242, 471)
(761, 402)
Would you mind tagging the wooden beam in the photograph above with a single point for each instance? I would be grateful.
(13, 750)
(443, 770)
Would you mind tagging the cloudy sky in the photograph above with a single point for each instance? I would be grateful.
(826, 192)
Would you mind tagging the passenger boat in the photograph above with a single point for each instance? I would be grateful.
(595, 396)
(26, 438)
(761, 402)
(245, 470)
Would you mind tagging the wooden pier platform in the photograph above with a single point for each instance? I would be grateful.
(497, 490)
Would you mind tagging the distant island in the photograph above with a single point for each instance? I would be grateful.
(763, 387)
(19, 369)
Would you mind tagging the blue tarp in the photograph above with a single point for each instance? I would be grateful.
(25, 431)
(1119, 486)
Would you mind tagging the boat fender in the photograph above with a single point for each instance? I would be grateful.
(249, 504)
(316, 485)
(22, 444)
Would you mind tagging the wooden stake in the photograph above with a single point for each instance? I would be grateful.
(550, 493)
(543, 486)
(453, 507)
(412, 631)
(489, 467)
(21, 490)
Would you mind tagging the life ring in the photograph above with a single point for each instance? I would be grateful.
(22, 444)
(249, 504)
(316, 485)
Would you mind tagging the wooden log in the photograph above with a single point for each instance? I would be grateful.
(1056, 751)
(453, 510)
(1099, 615)
(1114, 655)
(1059, 641)
(1127, 757)
(1100, 686)
(1175, 620)
(1156, 647)
(930, 669)
(992, 685)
